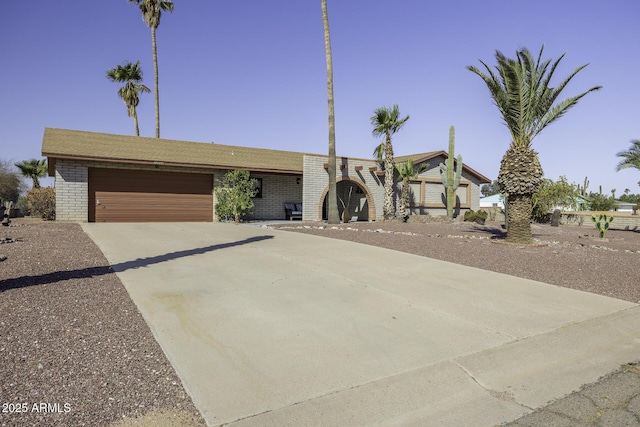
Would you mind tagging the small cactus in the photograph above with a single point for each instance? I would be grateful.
(600, 225)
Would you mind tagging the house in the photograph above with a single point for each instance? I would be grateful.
(115, 178)
(621, 206)
(495, 201)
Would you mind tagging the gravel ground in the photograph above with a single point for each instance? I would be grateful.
(75, 350)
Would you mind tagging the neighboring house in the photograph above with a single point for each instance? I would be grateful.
(624, 206)
(116, 178)
(495, 201)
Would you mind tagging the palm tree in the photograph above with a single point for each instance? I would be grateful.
(527, 103)
(151, 14)
(33, 169)
(131, 75)
(630, 157)
(407, 171)
(332, 197)
(386, 121)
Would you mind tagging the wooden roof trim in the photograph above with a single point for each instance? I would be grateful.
(164, 163)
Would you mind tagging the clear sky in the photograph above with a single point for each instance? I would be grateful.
(253, 73)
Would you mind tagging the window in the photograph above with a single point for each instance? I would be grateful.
(257, 186)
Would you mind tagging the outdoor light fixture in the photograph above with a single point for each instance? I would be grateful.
(298, 181)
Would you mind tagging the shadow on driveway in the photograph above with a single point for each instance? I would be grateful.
(82, 273)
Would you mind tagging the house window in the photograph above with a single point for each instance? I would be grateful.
(257, 186)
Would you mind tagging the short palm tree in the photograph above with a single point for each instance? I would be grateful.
(386, 121)
(520, 89)
(630, 157)
(407, 171)
(151, 14)
(131, 75)
(33, 169)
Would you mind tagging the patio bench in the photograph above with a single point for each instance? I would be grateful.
(293, 211)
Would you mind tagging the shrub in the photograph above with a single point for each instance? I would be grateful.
(233, 196)
(470, 215)
(42, 202)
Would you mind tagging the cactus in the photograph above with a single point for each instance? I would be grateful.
(451, 178)
(602, 227)
(583, 189)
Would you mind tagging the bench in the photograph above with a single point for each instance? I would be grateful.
(293, 211)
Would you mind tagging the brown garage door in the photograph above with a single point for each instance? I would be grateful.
(120, 195)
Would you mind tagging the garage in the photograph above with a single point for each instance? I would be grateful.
(125, 195)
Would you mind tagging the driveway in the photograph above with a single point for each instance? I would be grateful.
(273, 328)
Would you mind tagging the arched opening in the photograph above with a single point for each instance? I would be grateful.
(354, 198)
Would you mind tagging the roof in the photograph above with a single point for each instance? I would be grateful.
(81, 145)
(493, 198)
(424, 157)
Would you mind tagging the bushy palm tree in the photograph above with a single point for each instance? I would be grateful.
(33, 169)
(521, 90)
(131, 75)
(332, 196)
(407, 171)
(386, 121)
(151, 14)
(630, 157)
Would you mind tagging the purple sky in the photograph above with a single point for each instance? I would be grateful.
(252, 73)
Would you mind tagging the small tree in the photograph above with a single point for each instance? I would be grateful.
(233, 195)
(490, 189)
(42, 202)
(600, 202)
(11, 183)
(553, 195)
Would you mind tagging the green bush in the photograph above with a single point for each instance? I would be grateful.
(470, 215)
(233, 196)
(42, 202)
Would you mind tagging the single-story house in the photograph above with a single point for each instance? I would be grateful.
(621, 206)
(116, 178)
(494, 201)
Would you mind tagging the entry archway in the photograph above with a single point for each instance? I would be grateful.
(356, 197)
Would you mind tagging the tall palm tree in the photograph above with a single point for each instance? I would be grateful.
(386, 121)
(407, 171)
(527, 103)
(33, 169)
(332, 196)
(151, 14)
(630, 157)
(131, 75)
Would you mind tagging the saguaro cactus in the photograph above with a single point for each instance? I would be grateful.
(450, 177)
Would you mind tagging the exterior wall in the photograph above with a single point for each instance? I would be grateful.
(432, 195)
(276, 191)
(316, 185)
(72, 191)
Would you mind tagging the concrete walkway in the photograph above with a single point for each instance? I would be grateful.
(272, 328)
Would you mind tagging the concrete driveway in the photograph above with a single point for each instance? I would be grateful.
(270, 328)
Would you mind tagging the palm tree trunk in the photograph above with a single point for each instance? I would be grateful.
(404, 198)
(388, 210)
(135, 122)
(519, 208)
(332, 198)
(155, 78)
